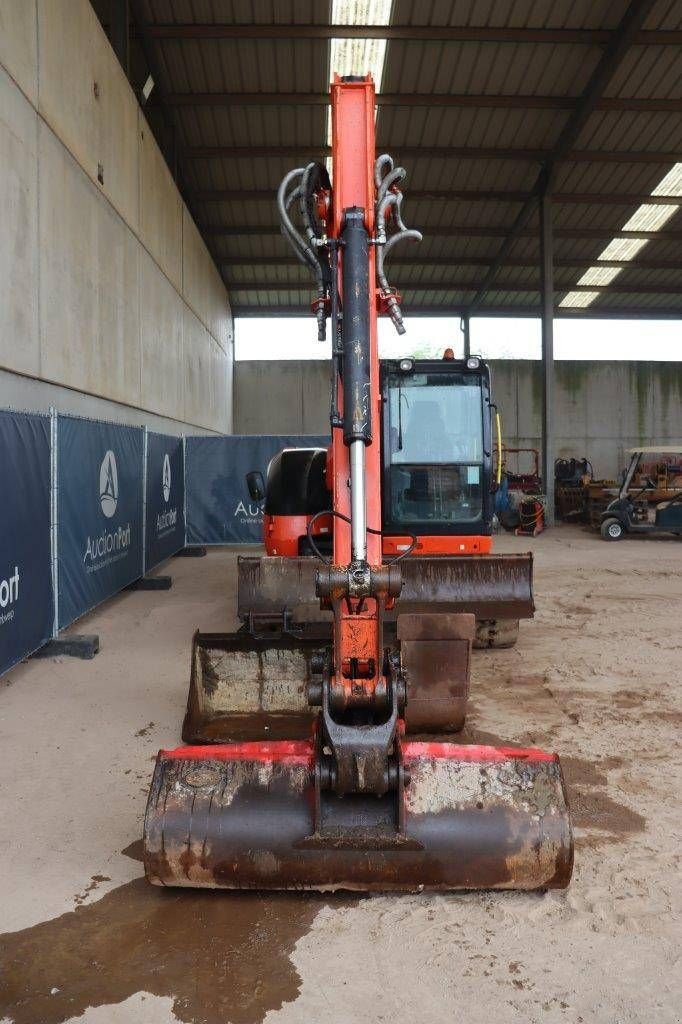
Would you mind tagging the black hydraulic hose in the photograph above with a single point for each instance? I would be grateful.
(284, 201)
(385, 160)
(315, 177)
(408, 235)
(302, 249)
(386, 178)
(391, 179)
(346, 519)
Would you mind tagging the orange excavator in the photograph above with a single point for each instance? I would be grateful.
(300, 773)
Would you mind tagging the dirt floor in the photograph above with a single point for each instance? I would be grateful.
(595, 676)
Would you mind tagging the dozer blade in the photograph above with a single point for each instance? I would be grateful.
(491, 587)
(244, 816)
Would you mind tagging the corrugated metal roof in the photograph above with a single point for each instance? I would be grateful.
(505, 50)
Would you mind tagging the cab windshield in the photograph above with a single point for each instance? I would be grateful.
(435, 448)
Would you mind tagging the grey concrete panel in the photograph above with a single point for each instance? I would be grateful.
(284, 397)
(84, 302)
(221, 371)
(161, 327)
(19, 44)
(220, 323)
(206, 369)
(19, 392)
(19, 338)
(505, 390)
(195, 272)
(89, 295)
(160, 207)
(86, 99)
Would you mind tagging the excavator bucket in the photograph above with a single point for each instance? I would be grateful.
(246, 687)
(249, 816)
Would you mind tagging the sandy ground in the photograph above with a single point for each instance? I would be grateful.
(595, 676)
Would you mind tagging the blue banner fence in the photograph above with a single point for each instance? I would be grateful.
(89, 506)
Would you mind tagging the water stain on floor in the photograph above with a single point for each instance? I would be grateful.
(591, 806)
(222, 957)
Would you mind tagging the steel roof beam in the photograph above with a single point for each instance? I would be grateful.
(409, 33)
(461, 231)
(468, 286)
(303, 152)
(458, 101)
(216, 195)
(620, 42)
(592, 312)
(466, 261)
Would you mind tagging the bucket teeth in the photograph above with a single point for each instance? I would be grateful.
(243, 816)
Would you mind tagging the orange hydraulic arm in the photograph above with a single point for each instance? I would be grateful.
(357, 621)
(361, 686)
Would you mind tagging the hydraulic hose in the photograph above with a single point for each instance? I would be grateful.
(386, 178)
(301, 247)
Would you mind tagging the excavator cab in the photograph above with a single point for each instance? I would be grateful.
(437, 468)
(437, 456)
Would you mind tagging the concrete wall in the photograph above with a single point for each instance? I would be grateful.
(106, 287)
(601, 408)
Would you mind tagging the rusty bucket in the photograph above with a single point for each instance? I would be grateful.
(249, 815)
(245, 687)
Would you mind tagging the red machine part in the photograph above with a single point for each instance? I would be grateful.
(281, 534)
(357, 633)
(434, 546)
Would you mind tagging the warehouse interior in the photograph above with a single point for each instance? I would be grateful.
(142, 144)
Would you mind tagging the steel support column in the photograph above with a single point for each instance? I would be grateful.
(119, 32)
(547, 320)
(466, 334)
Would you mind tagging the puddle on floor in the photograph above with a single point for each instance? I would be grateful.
(221, 956)
(592, 807)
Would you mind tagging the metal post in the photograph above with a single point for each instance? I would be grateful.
(464, 327)
(54, 516)
(119, 32)
(547, 306)
(184, 486)
(145, 442)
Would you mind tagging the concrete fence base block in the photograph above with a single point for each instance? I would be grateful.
(152, 583)
(72, 645)
(196, 552)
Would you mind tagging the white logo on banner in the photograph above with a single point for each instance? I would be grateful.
(166, 477)
(108, 485)
(9, 593)
(166, 521)
(251, 513)
(107, 547)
